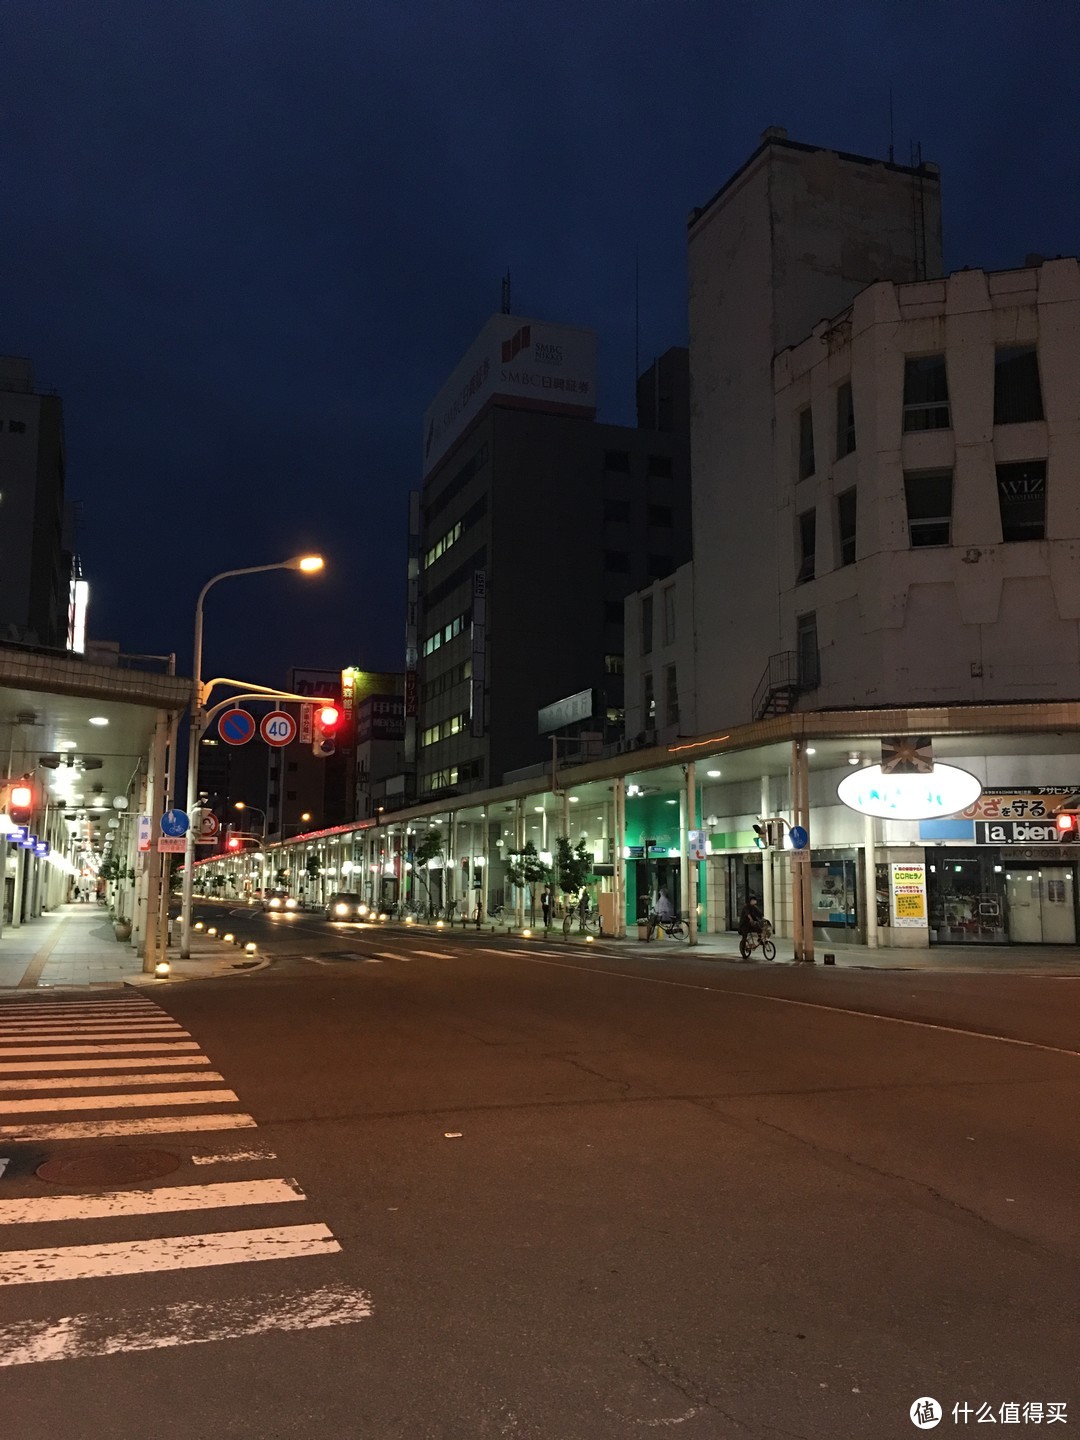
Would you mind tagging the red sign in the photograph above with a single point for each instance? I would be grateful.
(306, 713)
(278, 728)
(410, 692)
(236, 726)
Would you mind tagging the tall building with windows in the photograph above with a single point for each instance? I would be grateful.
(35, 553)
(534, 523)
(927, 504)
(791, 238)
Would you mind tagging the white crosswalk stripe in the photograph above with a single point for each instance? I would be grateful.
(69, 1067)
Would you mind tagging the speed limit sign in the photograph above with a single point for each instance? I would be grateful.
(278, 728)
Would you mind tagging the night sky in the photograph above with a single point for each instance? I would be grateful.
(247, 240)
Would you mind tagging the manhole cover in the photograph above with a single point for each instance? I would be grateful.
(118, 1166)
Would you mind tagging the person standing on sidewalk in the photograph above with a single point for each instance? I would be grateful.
(546, 902)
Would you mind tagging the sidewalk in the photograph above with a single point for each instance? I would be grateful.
(75, 946)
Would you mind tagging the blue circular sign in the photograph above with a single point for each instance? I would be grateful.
(798, 836)
(175, 822)
(236, 726)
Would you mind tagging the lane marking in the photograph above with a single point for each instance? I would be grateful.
(162, 1200)
(801, 1004)
(54, 1066)
(228, 1156)
(100, 1082)
(89, 1048)
(170, 1252)
(154, 1125)
(434, 954)
(80, 1337)
(142, 1101)
(90, 1011)
(390, 955)
(94, 1034)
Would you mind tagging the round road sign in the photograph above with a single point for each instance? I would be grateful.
(236, 727)
(798, 837)
(278, 728)
(175, 822)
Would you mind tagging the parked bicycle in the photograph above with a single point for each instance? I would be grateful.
(758, 940)
(672, 925)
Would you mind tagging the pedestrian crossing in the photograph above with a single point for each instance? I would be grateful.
(116, 1070)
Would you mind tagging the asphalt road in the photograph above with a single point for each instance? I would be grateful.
(551, 1192)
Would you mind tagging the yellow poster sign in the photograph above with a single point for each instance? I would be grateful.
(908, 892)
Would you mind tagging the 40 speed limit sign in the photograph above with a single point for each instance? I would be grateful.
(278, 728)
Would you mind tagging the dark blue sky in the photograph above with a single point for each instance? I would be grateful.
(246, 240)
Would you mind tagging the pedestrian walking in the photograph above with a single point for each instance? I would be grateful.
(547, 901)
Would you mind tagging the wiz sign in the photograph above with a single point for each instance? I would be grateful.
(945, 791)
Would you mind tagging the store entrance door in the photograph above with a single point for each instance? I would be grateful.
(1040, 905)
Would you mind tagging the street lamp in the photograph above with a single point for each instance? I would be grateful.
(243, 805)
(308, 565)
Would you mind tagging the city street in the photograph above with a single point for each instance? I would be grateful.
(443, 1185)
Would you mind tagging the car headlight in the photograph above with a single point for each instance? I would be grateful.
(341, 909)
(274, 903)
(361, 909)
(290, 904)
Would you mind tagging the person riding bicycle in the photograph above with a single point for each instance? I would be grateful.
(663, 907)
(751, 919)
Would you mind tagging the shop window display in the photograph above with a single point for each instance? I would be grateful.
(966, 899)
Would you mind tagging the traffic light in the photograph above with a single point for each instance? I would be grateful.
(233, 842)
(325, 724)
(769, 834)
(1066, 822)
(17, 798)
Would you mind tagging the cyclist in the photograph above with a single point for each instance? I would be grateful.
(751, 919)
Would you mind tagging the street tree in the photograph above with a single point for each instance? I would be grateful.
(574, 867)
(429, 848)
(526, 870)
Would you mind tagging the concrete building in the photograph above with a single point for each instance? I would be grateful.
(791, 238)
(534, 523)
(661, 685)
(927, 504)
(35, 543)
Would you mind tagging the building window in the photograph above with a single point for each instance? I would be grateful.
(807, 545)
(613, 612)
(845, 421)
(929, 507)
(446, 633)
(616, 509)
(616, 560)
(671, 696)
(646, 624)
(618, 461)
(659, 467)
(648, 702)
(845, 524)
(1017, 392)
(613, 664)
(661, 516)
(669, 614)
(659, 566)
(806, 651)
(926, 394)
(452, 536)
(806, 443)
(1022, 500)
(16, 427)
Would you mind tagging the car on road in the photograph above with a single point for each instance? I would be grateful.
(346, 905)
(279, 900)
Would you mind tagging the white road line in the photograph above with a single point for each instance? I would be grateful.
(101, 1082)
(390, 955)
(80, 1337)
(171, 1252)
(93, 1048)
(434, 954)
(144, 1101)
(94, 1036)
(153, 1125)
(64, 1007)
(91, 1029)
(800, 1004)
(162, 1200)
(55, 1066)
(228, 1156)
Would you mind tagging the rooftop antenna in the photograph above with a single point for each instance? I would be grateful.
(637, 315)
(892, 147)
(506, 293)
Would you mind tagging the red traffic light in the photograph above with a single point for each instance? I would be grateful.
(233, 842)
(328, 717)
(21, 797)
(1065, 820)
